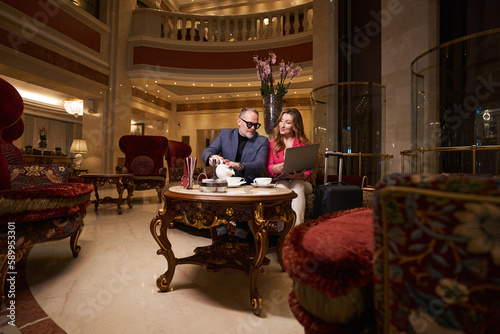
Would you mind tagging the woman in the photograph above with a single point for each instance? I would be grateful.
(290, 133)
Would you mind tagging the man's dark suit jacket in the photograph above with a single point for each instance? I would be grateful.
(254, 155)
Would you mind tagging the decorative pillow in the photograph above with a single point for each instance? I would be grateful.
(142, 165)
(13, 155)
(33, 176)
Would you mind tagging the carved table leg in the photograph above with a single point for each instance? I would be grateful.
(96, 204)
(259, 230)
(130, 192)
(119, 188)
(162, 222)
(289, 220)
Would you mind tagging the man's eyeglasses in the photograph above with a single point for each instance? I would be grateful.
(250, 124)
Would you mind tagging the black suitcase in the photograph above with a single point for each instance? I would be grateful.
(336, 196)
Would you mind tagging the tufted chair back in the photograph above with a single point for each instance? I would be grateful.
(137, 147)
(176, 153)
(11, 109)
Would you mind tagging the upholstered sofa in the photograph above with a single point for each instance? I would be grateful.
(424, 259)
(37, 202)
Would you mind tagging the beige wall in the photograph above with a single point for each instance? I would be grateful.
(409, 29)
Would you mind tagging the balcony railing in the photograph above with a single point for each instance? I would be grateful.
(228, 28)
(418, 165)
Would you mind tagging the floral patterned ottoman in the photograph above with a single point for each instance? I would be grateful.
(437, 254)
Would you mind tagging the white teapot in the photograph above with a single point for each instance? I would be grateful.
(223, 171)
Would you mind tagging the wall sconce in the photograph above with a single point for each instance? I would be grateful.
(74, 107)
(78, 146)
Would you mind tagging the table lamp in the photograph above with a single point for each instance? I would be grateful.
(78, 146)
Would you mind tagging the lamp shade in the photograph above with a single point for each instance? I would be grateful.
(78, 146)
(74, 107)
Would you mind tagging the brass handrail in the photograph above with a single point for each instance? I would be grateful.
(366, 155)
(422, 150)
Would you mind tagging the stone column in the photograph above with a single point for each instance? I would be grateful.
(409, 28)
(325, 46)
(117, 113)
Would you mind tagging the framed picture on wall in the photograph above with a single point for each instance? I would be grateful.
(137, 129)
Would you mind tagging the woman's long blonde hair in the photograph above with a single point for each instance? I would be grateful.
(298, 129)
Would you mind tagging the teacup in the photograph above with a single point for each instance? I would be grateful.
(234, 180)
(262, 181)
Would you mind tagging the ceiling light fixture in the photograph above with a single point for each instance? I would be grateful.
(74, 107)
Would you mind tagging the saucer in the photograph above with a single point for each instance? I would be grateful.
(235, 185)
(270, 185)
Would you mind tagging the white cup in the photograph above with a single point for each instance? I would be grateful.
(234, 180)
(262, 181)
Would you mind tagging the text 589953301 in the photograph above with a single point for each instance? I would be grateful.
(11, 274)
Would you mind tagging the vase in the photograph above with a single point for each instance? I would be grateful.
(42, 143)
(272, 105)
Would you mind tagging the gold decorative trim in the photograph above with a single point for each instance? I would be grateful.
(259, 215)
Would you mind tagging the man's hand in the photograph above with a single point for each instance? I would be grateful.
(233, 165)
(217, 158)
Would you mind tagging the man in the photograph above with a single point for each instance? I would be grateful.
(243, 150)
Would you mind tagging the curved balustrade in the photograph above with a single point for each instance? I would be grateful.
(456, 106)
(363, 169)
(383, 158)
(227, 28)
(418, 157)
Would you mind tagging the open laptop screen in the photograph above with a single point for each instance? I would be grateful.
(300, 158)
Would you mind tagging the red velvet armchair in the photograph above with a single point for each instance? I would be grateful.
(144, 158)
(37, 203)
(175, 155)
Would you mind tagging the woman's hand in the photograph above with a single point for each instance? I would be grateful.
(278, 168)
(297, 175)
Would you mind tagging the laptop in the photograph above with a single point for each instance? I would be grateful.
(300, 158)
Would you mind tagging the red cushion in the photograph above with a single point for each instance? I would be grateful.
(333, 253)
(34, 204)
(142, 165)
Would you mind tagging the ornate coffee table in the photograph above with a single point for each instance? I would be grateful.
(122, 181)
(206, 210)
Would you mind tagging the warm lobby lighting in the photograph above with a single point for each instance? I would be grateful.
(78, 146)
(74, 107)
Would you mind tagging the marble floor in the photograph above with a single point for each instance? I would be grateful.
(111, 286)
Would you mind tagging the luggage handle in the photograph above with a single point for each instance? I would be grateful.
(336, 183)
(340, 155)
